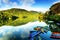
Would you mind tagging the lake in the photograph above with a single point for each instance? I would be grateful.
(22, 32)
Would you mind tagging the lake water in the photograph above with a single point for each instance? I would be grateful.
(22, 32)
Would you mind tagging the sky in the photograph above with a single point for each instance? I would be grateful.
(36, 5)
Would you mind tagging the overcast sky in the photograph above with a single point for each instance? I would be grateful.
(36, 5)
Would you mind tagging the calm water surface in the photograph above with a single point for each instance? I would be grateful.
(22, 32)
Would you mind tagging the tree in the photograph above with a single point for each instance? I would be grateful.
(55, 8)
(53, 15)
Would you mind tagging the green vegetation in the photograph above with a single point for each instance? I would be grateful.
(17, 16)
(54, 15)
(41, 17)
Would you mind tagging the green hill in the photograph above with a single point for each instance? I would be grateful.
(17, 16)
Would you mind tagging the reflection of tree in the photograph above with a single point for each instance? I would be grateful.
(14, 17)
(41, 17)
(3, 18)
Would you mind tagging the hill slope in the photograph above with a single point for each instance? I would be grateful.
(16, 16)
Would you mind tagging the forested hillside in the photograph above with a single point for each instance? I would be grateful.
(17, 16)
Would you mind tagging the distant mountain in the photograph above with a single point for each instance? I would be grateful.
(15, 9)
(34, 11)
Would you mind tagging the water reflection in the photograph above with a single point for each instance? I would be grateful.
(22, 32)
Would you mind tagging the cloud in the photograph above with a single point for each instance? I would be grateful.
(27, 3)
(0, 2)
(39, 9)
(5, 1)
(23, 4)
(56, 1)
(7, 4)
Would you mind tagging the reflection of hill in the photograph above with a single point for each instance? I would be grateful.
(17, 16)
